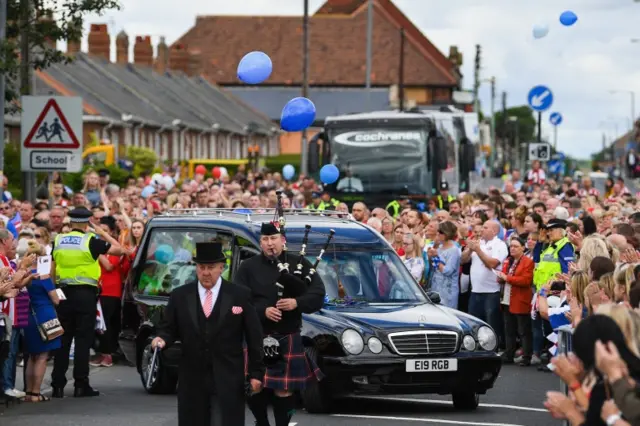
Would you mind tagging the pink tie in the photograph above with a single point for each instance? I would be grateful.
(207, 306)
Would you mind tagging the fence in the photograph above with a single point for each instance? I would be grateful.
(565, 334)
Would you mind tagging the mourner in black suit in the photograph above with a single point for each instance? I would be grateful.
(211, 318)
(280, 311)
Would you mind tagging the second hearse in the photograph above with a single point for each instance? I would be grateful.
(378, 333)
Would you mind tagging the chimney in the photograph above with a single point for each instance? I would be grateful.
(46, 24)
(455, 56)
(143, 51)
(100, 41)
(179, 58)
(195, 62)
(162, 60)
(73, 44)
(122, 48)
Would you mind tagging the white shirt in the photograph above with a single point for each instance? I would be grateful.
(483, 280)
(215, 291)
(350, 184)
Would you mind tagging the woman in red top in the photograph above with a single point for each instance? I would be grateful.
(134, 237)
(517, 278)
(110, 295)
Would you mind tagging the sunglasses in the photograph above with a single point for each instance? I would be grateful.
(38, 236)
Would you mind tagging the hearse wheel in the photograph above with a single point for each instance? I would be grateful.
(163, 381)
(466, 400)
(315, 398)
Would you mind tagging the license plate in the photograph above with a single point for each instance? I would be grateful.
(431, 365)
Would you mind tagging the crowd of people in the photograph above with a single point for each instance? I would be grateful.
(527, 258)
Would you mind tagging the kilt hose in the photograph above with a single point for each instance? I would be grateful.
(294, 370)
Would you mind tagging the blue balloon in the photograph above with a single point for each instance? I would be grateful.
(147, 191)
(288, 172)
(255, 67)
(164, 254)
(297, 115)
(329, 174)
(568, 18)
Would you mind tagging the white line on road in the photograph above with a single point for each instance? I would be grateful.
(439, 401)
(422, 420)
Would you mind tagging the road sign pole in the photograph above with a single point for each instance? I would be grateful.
(539, 126)
(555, 138)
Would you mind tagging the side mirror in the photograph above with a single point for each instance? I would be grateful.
(434, 296)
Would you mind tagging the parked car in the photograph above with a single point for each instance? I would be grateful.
(377, 333)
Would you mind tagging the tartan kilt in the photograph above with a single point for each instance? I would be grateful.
(294, 370)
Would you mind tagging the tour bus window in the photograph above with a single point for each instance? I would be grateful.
(169, 259)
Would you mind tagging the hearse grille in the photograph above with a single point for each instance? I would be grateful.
(424, 342)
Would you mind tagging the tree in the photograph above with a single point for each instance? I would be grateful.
(144, 159)
(526, 123)
(41, 22)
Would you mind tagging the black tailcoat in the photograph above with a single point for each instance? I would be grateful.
(212, 360)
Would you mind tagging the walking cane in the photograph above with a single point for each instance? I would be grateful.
(154, 359)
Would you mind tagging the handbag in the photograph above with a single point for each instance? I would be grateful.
(49, 330)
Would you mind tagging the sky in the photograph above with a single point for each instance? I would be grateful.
(581, 64)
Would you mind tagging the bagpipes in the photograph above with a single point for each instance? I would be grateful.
(303, 250)
(283, 267)
(312, 271)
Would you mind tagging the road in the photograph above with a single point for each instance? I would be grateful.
(516, 401)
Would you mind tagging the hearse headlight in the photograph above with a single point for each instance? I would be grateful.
(487, 338)
(352, 342)
(469, 343)
(375, 345)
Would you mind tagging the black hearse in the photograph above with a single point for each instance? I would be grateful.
(366, 341)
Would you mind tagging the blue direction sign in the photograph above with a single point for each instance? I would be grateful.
(540, 98)
(555, 118)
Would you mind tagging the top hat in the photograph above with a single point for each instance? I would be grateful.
(209, 252)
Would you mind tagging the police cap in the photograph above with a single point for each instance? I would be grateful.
(80, 215)
(556, 224)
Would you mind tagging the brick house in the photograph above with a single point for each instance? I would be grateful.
(337, 40)
(159, 103)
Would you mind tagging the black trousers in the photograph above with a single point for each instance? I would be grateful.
(518, 325)
(77, 315)
(111, 314)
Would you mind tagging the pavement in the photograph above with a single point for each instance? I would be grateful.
(516, 400)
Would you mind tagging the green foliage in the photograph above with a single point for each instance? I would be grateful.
(144, 159)
(41, 21)
(526, 123)
(13, 169)
(75, 181)
(277, 163)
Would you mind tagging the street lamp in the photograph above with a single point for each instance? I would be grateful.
(633, 103)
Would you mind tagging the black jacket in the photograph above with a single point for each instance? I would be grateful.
(212, 362)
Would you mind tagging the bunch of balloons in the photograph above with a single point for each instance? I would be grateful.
(297, 115)
(164, 254)
(159, 180)
(567, 18)
(216, 172)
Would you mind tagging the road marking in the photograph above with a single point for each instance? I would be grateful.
(421, 420)
(439, 401)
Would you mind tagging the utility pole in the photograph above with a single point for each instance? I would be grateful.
(476, 81)
(503, 135)
(26, 83)
(304, 158)
(369, 50)
(401, 71)
(493, 125)
(3, 37)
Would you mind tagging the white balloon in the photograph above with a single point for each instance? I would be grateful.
(168, 182)
(540, 30)
(223, 171)
(156, 178)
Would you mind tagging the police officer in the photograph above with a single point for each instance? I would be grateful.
(76, 271)
(555, 259)
(316, 201)
(444, 198)
(281, 317)
(327, 202)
